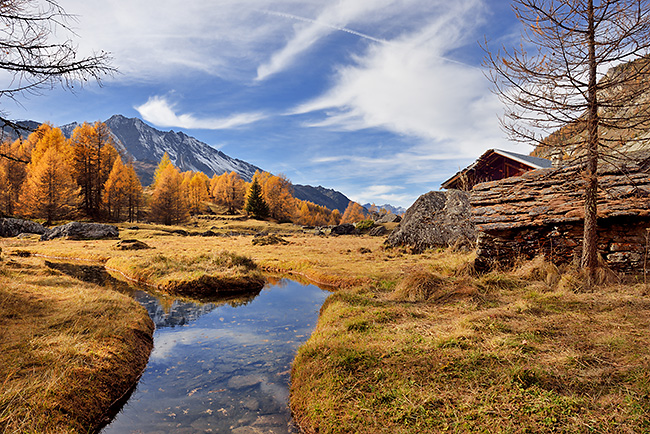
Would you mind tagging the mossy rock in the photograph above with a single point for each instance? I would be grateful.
(269, 240)
(132, 245)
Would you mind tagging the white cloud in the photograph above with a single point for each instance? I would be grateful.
(412, 87)
(335, 17)
(158, 39)
(160, 112)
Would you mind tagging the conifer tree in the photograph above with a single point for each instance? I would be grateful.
(335, 218)
(94, 154)
(353, 213)
(49, 191)
(164, 162)
(134, 193)
(169, 200)
(116, 190)
(198, 191)
(12, 174)
(278, 194)
(229, 190)
(256, 206)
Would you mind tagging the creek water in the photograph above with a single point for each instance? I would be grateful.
(220, 366)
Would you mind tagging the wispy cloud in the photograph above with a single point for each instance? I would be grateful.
(410, 87)
(160, 112)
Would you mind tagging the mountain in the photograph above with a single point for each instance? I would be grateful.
(397, 210)
(328, 198)
(624, 114)
(146, 145)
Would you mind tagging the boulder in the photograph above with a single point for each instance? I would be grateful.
(82, 231)
(344, 229)
(268, 240)
(436, 219)
(390, 218)
(132, 245)
(377, 231)
(14, 227)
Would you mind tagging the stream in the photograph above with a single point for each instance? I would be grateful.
(220, 366)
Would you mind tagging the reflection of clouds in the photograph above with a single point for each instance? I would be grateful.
(166, 342)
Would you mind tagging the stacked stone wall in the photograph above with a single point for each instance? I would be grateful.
(541, 212)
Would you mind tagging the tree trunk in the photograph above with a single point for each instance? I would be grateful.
(590, 240)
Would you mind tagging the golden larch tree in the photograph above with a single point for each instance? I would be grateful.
(134, 193)
(229, 190)
(116, 190)
(278, 193)
(13, 171)
(198, 191)
(49, 191)
(94, 154)
(164, 162)
(169, 200)
(353, 213)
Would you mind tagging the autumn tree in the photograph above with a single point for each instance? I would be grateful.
(557, 77)
(256, 206)
(134, 196)
(49, 191)
(198, 190)
(12, 174)
(116, 191)
(229, 190)
(353, 213)
(94, 154)
(335, 218)
(164, 162)
(278, 194)
(36, 53)
(169, 199)
(310, 214)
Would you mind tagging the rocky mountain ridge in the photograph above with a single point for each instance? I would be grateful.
(146, 145)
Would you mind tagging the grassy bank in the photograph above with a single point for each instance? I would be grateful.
(68, 350)
(443, 351)
(418, 343)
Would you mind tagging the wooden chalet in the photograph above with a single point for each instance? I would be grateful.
(493, 165)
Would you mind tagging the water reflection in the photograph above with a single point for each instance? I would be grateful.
(226, 371)
(217, 367)
(164, 311)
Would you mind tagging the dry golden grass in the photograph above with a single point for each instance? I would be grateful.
(507, 352)
(421, 343)
(344, 261)
(68, 349)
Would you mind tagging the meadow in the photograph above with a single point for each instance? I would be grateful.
(406, 344)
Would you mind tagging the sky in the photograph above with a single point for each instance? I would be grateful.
(382, 100)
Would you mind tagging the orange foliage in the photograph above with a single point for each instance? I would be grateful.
(49, 191)
(353, 213)
(228, 190)
(169, 200)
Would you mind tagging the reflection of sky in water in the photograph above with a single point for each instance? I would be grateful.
(227, 371)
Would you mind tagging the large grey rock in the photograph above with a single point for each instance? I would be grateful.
(436, 219)
(14, 227)
(344, 229)
(390, 218)
(82, 231)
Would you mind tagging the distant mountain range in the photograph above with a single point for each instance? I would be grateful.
(397, 210)
(146, 145)
(328, 198)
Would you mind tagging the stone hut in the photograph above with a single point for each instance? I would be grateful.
(542, 212)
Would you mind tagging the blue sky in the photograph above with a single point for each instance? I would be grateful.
(380, 99)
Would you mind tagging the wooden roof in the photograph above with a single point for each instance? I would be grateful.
(493, 165)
